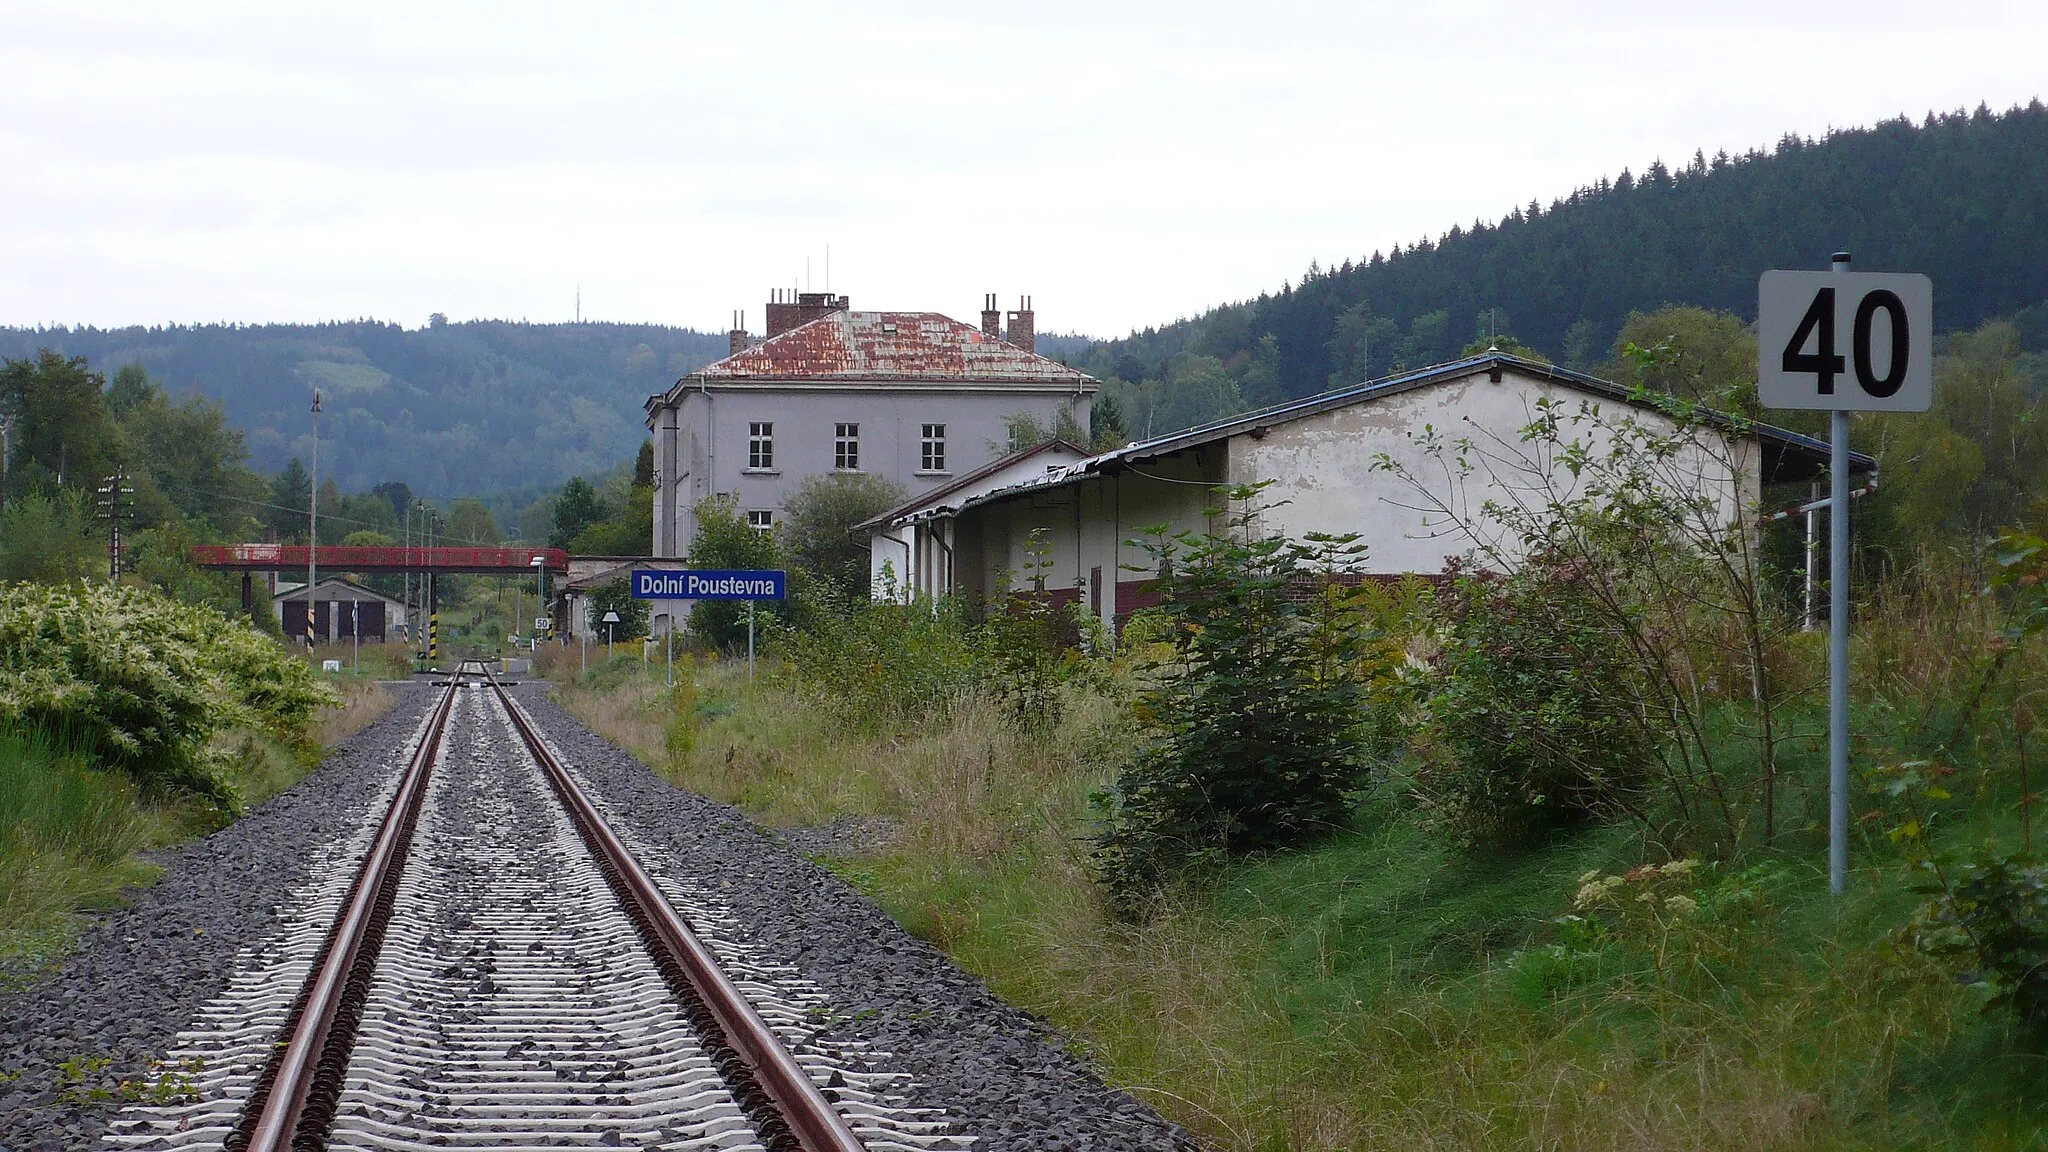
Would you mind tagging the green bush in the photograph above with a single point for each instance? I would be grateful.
(1023, 642)
(617, 597)
(1253, 715)
(1525, 713)
(1991, 914)
(143, 683)
(725, 540)
(1987, 907)
(883, 665)
(817, 526)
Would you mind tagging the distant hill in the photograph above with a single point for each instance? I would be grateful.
(495, 408)
(1962, 197)
(480, 408)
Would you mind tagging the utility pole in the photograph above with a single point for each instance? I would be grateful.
(417, 581)
(433, 593)
(110, 505)
(405, 577)
(313, 524)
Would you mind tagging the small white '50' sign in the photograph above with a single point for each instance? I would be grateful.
(1845, 341)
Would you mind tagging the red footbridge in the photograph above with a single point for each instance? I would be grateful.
(395, 558)
(322, 621)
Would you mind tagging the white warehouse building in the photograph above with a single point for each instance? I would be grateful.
(1321, 456)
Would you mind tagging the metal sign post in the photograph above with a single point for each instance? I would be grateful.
(1888, 318)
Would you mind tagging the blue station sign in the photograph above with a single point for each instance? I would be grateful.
(710, 584)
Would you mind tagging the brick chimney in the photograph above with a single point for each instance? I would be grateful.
(736, 340)
(788, 310)
(1023, 325)
(991, 318)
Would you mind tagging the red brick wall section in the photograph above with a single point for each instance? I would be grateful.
(1024, 327)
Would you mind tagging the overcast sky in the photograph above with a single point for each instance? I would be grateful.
(1125, 164)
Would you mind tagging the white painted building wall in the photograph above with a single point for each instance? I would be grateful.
(1325, 465)
(1323, 480)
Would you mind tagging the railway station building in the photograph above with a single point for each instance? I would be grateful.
(917, 397)
(1322, 456)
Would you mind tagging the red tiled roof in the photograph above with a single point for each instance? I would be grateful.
(883, 346)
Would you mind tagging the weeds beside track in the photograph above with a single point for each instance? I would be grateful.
(1380, 990)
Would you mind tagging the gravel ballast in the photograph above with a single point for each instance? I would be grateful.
(1000, 1071)
(140, 974)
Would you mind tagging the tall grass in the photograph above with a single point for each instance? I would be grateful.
(362, 702)
(1386, 989)
(1382, 990)
(67, 833)
(71, 832)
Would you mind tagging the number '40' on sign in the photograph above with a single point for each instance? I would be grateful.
(1845, 341)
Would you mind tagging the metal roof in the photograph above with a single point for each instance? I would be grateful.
(1789, 456)
(887, 346)
(936, 498)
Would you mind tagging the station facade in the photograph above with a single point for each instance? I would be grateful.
(917, 397)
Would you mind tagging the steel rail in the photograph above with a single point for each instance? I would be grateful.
(289, 1105)
(798, 1115)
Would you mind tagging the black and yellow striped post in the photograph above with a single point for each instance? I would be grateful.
(309, 619)
(433, 619)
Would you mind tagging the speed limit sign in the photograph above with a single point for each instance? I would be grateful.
(1845, 341)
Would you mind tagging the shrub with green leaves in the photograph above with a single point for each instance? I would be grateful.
(142, 682)
(1527, 714)
(1987, 906)
(881, 665)
(1253, 715)
(724, 539)
(1022, 630)
(617, 597)
(1990, 913)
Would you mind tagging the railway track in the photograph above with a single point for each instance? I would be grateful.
(498, 969)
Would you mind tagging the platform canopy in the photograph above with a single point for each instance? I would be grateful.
(394, 558)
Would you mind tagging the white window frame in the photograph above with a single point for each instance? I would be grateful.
(761, 446)
(846, 446)
(761, 519)
(932, 448)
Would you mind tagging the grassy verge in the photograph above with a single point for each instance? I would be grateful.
(1379, 990)
(73, 836)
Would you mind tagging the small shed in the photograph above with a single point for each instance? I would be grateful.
(342, 610)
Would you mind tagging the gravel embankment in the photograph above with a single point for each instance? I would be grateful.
(1000, 1070)
(142, 972)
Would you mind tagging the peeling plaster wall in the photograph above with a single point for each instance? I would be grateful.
(1324, 480)
(1323, 466)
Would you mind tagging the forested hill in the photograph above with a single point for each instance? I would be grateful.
(1962, 197)
(478, 408)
